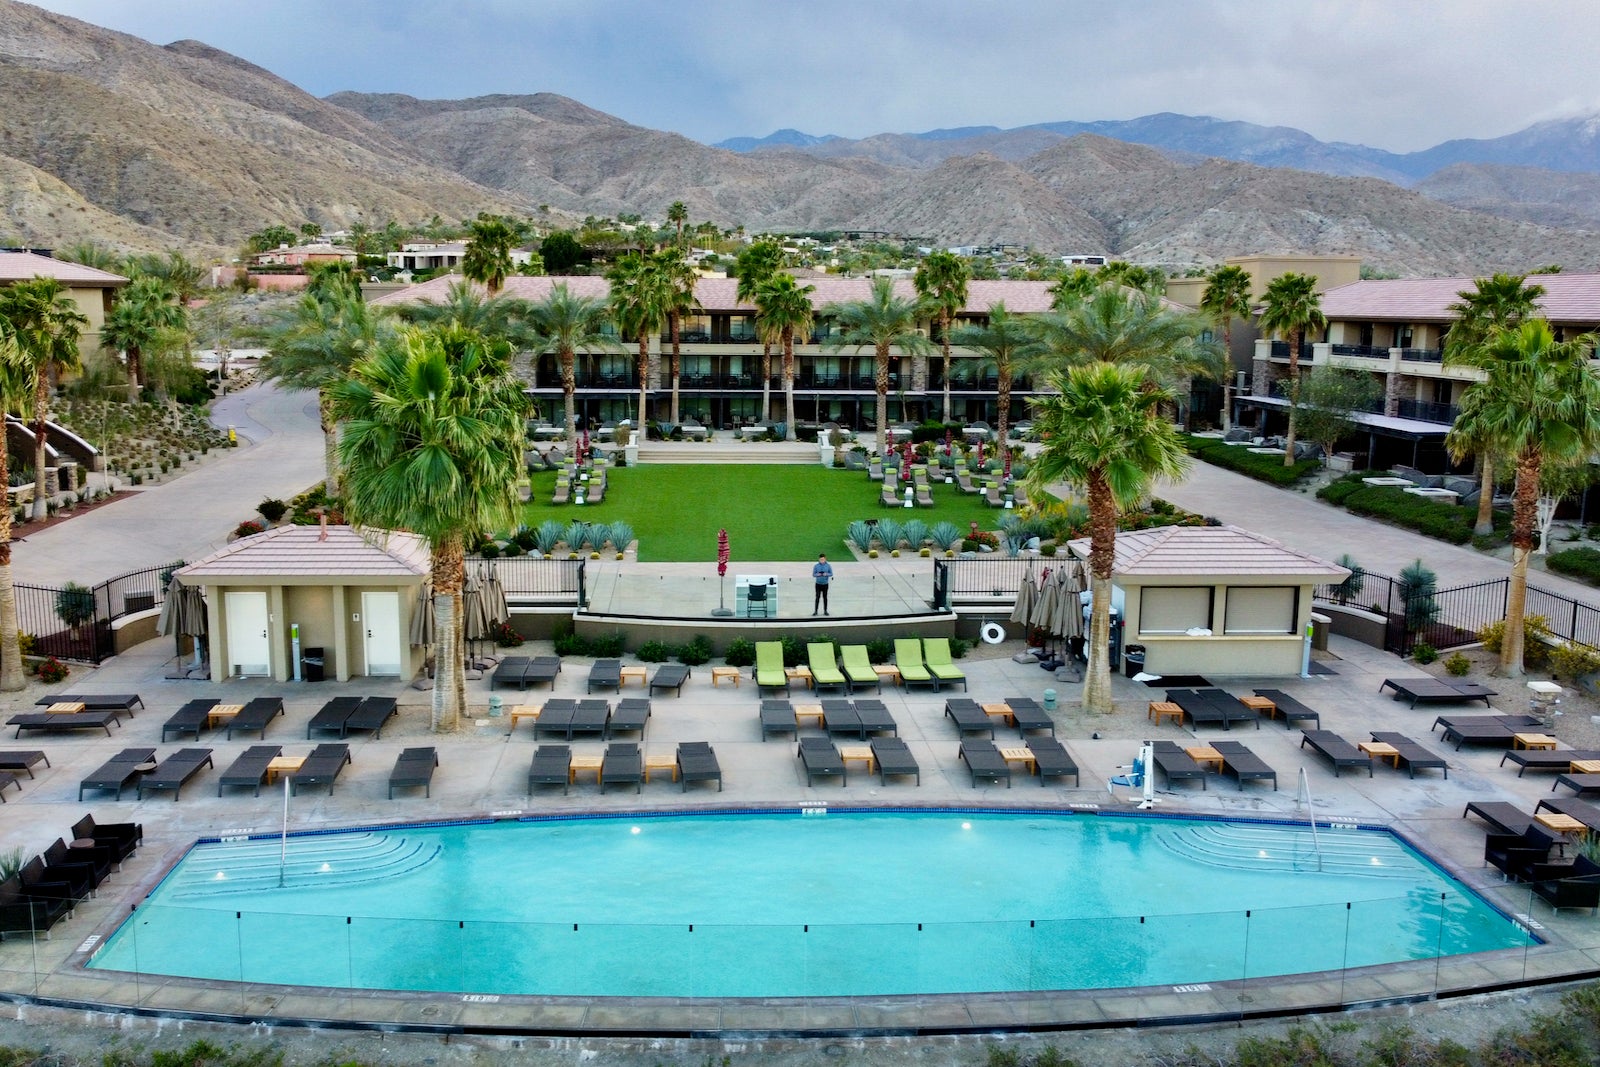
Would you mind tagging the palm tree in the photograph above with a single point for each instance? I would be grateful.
(466, 305)
(45, 327)
(1292, 307)
(569, 325)
(94, 254)
(678, 214)
(678, 278)
(1072, 287)
(314, 346)
(1005, 343)
(1496, 303)
(1114, 324)
(433, 441)
(754, 266)
(182, 275)
(1227, 297)
(783, 309)
(487, 258)
(941, 282)
(1539, 404)
(881, 322)
(1103, 429)
(13, 388)
(638, 305)
(144, 312)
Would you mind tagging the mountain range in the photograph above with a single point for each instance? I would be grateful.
(140, 146)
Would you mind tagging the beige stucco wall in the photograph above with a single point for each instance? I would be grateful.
(1330, 271)
(1221, 654)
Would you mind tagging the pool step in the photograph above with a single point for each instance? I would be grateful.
(342, 860)
(1260, 848)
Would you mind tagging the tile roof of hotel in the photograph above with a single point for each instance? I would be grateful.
(300, 551)
(1224, 551)
(24, 266)
(1571, 298)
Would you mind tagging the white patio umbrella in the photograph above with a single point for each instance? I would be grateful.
(1027, 593)
(495, 609)
(422, 617)
(183, 614)
(474, 623)
(1072, 584)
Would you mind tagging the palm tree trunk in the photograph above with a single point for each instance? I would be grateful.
(1003, 402)
(766, 381)
(880, 374)
(569, 394)
(135, 372)
(1227, 374)
(1102, 555)
(41, 412)
(1293, 390)
(1485, 523)
(330, 441)
(676, 358)
(944, 338)
(788, 385)
(449, 674)
(11, 677)
(644, 376)
(1524, 514)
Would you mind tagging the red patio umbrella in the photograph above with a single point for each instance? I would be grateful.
(905, 450)
(583, 448)
(947, 442)
(1008, 465)
(722, 571)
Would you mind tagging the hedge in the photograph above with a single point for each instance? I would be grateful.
(1446, 522)
(1580, 563)
(1255, 465)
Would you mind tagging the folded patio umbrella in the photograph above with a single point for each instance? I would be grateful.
(422, 618)
(495, 608)
(474, 623)
(1027, 593)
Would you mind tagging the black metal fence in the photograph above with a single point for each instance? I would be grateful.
(74, 622)
(534, 579)
(983, 579)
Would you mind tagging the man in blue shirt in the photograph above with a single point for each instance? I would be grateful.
(822, 574)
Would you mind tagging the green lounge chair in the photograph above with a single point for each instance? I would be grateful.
(825, 673)
(769, 667)
(857, 667)
(936, 656)
(908, 657)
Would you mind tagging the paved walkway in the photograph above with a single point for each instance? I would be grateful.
(280, 455)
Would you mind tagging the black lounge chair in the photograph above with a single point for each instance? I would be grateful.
(606, 673)
(622, 765)
(189, 720)
(94, 861)
(255, 717)
(841, 720)
(1486, 730)
(552, 765)
(555, 718)
(777, 717)
(1244, 765)
(1291, 709)
(697, 762)
(1029, 716)
(893, 757)
(176, 770)
(541, 670)
(95, 701)
(1578, 783)
(1502, 817)
(415, 766)
(1413, 757)
(509, 673)
(1212, 707)
(1567, 885)
(249, 770)
(875, 718)
(630, 716)
(29, 912)
(821, 760)
(371, 714)
(118, 772)
(1336, 750)
(44, 722)
(1547, 760)
(322, 767)
(122, 838)
(669, 676)
(969, 716)
(1581, 810)
(984, 762)
(8, 779)
(1051, 758)
(22, 762)
(1513, 723)
(589, 717)
(1515, 855)
(1176, 765)
(332, 716)
(72, 883)
(1426, 690)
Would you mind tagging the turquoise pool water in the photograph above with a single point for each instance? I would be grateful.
(783, 904)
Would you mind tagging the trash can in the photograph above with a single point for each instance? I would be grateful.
(311, 664)
(1133, 660)
(1320, 625)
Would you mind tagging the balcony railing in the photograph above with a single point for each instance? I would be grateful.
(1364, 351)
(1280, 350)
(1427, 411)
(722, 381)
(1422, 355)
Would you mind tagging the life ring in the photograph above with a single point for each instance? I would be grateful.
(993, 633)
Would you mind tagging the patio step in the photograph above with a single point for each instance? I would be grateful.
(796, 452)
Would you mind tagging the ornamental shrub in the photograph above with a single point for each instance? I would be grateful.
(247, 528)
(1580, 563)
(1458, 666)
(696, 652)
(655, 652)
(608, 646)
(51, 670)
(741, 652)
(272, 509)
(506, 636)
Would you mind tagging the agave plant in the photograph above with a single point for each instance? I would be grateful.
(547, 536)
(860, 535)
(621, 536)
(945, 535)
(599, 532)
(576, 535)
(915, 531)
(1015, 532)
(890, 534)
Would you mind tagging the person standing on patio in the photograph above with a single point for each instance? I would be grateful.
(822, 574)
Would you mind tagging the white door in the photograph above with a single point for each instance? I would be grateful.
(380, 617)
(248, 644)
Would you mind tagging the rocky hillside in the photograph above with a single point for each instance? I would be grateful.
(1531, 194)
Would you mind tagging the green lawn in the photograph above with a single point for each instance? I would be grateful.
(771, 511)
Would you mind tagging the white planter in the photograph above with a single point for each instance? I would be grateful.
(631, 454)
(827, 454)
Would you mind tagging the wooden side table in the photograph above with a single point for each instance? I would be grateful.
(523, 711)
(1533, 741)
(1381, 750)
(584, 763)
(1019, 754)
(856, 754)
(721, 674)
(280, 765)
(661, 762)
(1260, 704)
(887, 672)
(1207, 755)
(798, 674)
(808, 711)
(1161, 709)
(999, 711)
(638, 674)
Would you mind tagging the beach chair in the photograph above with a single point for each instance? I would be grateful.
(73, 882)
(118, 771)
(991, 496)
(370, 715)
(122, 838)
(589, 717)
(936, 657)
(44, 722)
(556, 718)
(1427, 690)
(908, 658)
(322, 767)
(1052, 760)
(1412, 756)
(414, 767)
(769, 672)
(189, 720)
(31, 911)
(825, 673)
(510, 672)
(1502, 817)
(552, 765)
(22, 762)
(924, 496)
(857, 667)
(540, 670)
(1514, 856)
(1029, 717)
(249, 771)
(95, 861)
(893, 757)
(332, 716)
(669, 676)
(839, 718)
(1336, 750)
(606, 674)
(777, 717)
(1290, 708)
(124, 702)
(875, 469)
(969, 716)
(255, 717)
(622, 765)
(176, 770)
(965, 483)
(1244, 765)
(1567, 885)
(630, 716)
(887, 496)
(1547, 760)
(984, 762)
(697, 762)
(821, 760)
(875, 718)
(1175, 764)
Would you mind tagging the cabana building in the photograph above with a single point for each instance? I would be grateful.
(1216, 601)
(350, 593)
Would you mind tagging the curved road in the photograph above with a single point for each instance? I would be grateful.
(279, 455)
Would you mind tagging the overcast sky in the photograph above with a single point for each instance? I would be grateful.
(1395, 74)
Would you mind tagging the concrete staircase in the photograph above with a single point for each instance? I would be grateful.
(718, 451)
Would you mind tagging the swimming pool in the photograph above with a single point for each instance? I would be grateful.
(795, 905)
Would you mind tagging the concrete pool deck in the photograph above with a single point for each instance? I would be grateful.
(483, 772)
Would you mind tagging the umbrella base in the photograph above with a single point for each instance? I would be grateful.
(723, 613)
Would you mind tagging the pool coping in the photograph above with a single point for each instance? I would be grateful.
(64, 981)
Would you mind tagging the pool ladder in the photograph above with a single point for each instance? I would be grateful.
(1311, 812)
